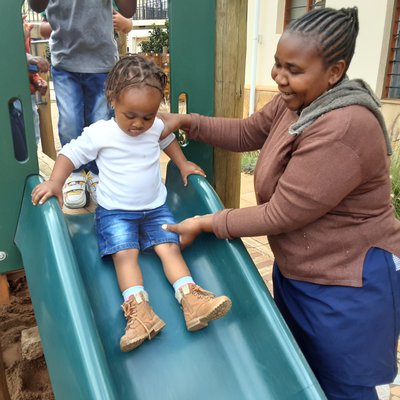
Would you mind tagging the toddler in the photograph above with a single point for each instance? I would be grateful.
(129, 217)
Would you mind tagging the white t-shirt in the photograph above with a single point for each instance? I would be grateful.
(129, 167)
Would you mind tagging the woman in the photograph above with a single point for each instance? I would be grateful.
(323, 192)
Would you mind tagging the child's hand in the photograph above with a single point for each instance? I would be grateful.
(42, 86)
(189, 168)
(39, 84)
(42, 192)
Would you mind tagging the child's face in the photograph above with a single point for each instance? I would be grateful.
(300, 72)
(136, 109)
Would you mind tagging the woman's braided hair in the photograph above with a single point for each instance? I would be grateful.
(134, 70)
(335, 32)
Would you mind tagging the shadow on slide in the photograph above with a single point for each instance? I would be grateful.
(249, 354)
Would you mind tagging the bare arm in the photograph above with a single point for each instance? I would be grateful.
(45, 29)
(186, 168)
(38, 5)
(126, 7)
(120, 23)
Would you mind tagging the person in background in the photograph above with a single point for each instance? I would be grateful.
(83, 51)
(36, 64)
(129, 216)
(122, 26)
(323, 191)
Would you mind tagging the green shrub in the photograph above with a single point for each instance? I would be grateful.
(395, 174)
(158, 40)
(248, 162)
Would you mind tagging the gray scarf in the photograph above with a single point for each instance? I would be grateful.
(346, 93)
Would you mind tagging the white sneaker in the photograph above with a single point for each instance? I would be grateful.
(74, 190)
(91, 185)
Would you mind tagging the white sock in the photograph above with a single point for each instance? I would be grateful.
(182, 281)
(127, 293)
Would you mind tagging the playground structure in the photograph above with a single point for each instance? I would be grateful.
(250, 354)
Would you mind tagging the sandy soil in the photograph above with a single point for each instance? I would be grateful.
(27, 380)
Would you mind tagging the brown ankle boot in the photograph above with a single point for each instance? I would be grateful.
(200, 306)
(142, 322)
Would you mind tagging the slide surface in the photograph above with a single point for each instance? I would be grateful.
(249, 354)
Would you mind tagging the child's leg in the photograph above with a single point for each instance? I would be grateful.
(173, 263)
(142, 322)
(128, 271)
(199, 306)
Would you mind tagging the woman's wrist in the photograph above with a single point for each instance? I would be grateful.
(205, 222)
(185, 122)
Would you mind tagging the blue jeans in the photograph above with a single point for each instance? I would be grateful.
(80, 102)
(120, 230)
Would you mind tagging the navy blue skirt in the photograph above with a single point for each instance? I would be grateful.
(348, 335)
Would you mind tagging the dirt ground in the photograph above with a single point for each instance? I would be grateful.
(26, 379)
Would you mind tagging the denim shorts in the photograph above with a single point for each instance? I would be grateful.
(120, 230)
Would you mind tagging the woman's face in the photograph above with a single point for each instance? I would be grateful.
(300, 72)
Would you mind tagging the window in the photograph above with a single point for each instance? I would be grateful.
(296, 8)
(392, 80)
(151, 9)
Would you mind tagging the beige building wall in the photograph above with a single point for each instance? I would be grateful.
(369, 61)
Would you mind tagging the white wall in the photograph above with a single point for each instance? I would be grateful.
(268, 38)
(369, 60)
(371, 42)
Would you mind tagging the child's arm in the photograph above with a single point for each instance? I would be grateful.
(174, 152)
(63, 168)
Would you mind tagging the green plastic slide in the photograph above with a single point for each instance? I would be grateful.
(249, 354)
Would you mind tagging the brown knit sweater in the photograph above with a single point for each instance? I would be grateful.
(323, 196)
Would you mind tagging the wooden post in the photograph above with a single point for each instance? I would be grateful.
(46, 125)
(4, 393)
(44, 110)
(4, 290)
(230, 56)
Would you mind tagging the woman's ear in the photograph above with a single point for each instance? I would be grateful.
(337, 71)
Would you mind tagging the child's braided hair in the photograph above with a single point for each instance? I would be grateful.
(134, 70)
(335, 32)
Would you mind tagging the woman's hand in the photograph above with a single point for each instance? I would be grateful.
(42, 192)
(174, 122)
(189, 168)
(190, 228)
